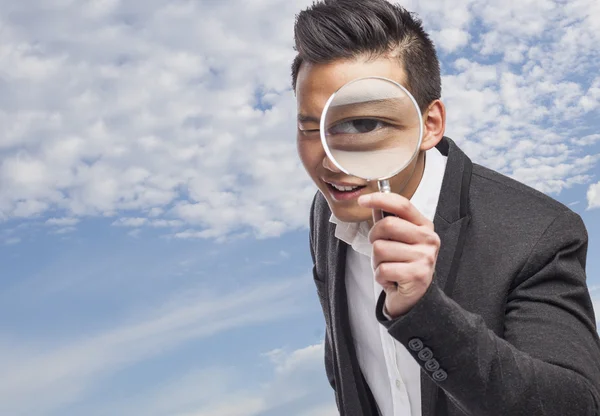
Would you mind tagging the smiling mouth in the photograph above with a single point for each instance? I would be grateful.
(345, 192)
(344, 188)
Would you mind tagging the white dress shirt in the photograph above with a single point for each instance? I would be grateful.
(391, 372)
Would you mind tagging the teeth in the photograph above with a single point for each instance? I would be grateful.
(344, 188)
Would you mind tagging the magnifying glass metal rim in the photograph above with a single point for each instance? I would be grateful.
(382, 181)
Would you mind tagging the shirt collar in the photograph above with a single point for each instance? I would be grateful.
(425, 199)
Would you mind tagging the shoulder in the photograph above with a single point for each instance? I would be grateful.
(509, 209)
(518, 228)
(500, 193)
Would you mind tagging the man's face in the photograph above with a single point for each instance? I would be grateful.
(314, 86)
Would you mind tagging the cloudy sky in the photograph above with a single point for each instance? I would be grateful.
(153, 212)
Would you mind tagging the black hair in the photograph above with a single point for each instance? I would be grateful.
(345, 29)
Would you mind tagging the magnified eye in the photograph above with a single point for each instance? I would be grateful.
(361, 125)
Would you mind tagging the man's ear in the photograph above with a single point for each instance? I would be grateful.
(434, 125)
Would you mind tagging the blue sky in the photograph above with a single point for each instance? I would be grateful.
(153, 211)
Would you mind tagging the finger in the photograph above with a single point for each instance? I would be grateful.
(395, 204)
(404, 275)
(392, 251)
(423, 256)
(400, 230)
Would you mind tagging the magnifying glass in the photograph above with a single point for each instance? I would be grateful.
(372, 128)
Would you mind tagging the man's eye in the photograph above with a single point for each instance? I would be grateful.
(311, 131)
(362, 125)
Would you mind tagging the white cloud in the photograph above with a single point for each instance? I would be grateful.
(134, 110)
(135, 222)
(135, 122)
(532, 100)
(62, 222)
(166, 223)
(297, 387)
(64, 230)
(593, 196)
(452, 39)
(60, 374)
(135, 233)
(243, 406)
(587, 140)
(595, 294)
(130, 222)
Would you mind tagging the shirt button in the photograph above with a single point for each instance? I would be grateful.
(398, 384)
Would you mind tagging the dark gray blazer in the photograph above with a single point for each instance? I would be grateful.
(507, 326)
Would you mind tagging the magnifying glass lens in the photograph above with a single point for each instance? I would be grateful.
(371, 128)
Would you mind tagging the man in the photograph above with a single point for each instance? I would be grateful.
(472, 299)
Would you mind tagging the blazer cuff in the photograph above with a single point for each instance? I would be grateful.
(386, 320)
(432, 332)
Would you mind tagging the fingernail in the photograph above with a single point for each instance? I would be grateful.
(364, 199)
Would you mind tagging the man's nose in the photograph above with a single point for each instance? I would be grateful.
(328, 164)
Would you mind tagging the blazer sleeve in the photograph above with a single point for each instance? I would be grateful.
(548, 361)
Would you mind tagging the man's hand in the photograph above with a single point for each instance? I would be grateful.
(405, 250)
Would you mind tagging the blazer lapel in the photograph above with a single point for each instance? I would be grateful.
(353, 391)
(451, 220)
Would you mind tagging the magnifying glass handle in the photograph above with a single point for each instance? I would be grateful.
(378, 214)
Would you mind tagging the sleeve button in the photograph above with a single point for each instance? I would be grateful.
(440, 375)
(425, 354)
(432, 365)
(415, 344)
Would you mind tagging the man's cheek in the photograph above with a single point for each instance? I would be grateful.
(308, 156)
(309, 168)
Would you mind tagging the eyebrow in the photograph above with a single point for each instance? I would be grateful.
(303, 118)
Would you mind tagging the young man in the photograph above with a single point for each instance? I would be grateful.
(472, 300)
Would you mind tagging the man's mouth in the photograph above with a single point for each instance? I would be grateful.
(344, 192)
(345, 188)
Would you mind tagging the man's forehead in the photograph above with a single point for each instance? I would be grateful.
(319, 78)
(314, 86)
(317, 82)
(389, 64)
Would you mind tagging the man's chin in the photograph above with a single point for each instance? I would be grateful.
(351, 214)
